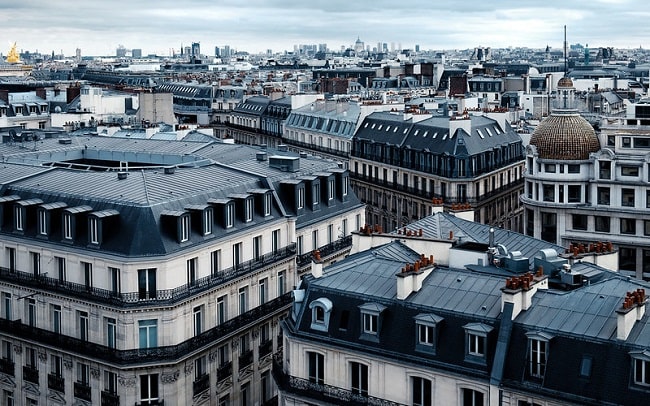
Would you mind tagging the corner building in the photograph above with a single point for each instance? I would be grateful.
(156, 285)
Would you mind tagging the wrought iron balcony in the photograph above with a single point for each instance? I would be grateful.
(265, 348)
(56, 382)
(157, 402)
(224, 371)
(325, 393)
(169, 353)
(317, 148)
(201, 384)
(7, 366)
(109, 399)
(326, 250)
(137, 299)
(246, 359)
(30, 374)
(82, 391)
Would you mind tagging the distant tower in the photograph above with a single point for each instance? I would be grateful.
(196, 49)
(586, 54)
(77, 54)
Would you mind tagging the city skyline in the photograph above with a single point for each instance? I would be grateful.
(98, 28)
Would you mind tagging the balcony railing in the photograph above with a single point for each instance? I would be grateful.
(110, 399)
(246, 359)
(201, 384)
(265, 348)
(317, 148)
(157, 402)
(56, 382)
(7, 366)
(326, 250)
(224, 371)
(133, 299)
(82, 391)
(324, 393)
(30, 374)
(144, 355)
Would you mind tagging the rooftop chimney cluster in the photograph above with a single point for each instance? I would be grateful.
(417, 265)
(437, 201)
(520, 282)
(597, 247)
(461, 206)
(410, 233)
(633, 298)
(368, 229)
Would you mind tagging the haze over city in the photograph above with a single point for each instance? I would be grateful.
(159, 27)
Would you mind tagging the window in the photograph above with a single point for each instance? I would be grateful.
(110, 382)
(192, 270)
(476, 338)
(114, 275)
(6, 351)
(8, 398)
(55, 318)
(257, 247)
(185, 228)
(266, 387)
(208, 220)
(575, 195)
(42, 222)
(56, 366)
(573, 168)
(344, 227)
(83, 374)
(223, 355)
(88, 274)
(471, 397)
(549, 168)
(330, 233)
(301, 198)
(537, 354)
(315, 193)
(263, 290)
(421, 392)
(82, 325)
(230, 215)
(18, 218)
(299, 245)
(147, 283)
(602, 224)
(200, 367)
(60, 264)
(603, 195)
(6, 306)
(425, 325)
(281, 282)
(222, 309)
(148, 333)
(243, 300)
(548, 193)
(641, 368)
(369, 323)
(110, 332)
(316, 367)
(36, 263)
(605, 169)
(197, 316)
(215, 261)
(330, 189)
(149, 389)
(93, 230)
(30, 311)
(579, 221)
(346, 182)
(359, 378)
(628, 226)
(248, 210)
(320, 313)
(370, 320)
(31, 358)
(629, 170)
(11, 256)
(67, 226)
(267, 204)
(627, 197)
(236, 254)
(275, 240)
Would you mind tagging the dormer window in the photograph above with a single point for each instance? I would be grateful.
(230, 215)
(301, 197)
(267, 204)
(202, 217)
(371, 320)
(24, 209)
(177, 222)
(71, 222)
(537, 354)
(321, 309)
(67, 226)
(248, 209)
(184, 228)
(19, 218)
(93, 230)
(476, 341)
(97, 226)
(42, 222)
(641, 366)
(330, 189)
(315, 193)
(208, 220)
(426, 330)
(346, 181)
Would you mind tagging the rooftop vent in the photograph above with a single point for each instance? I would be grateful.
(122, 175)
(261, 156)
(303, 154)
(65, 141)
(170, 170)
(263, 146)
(283, 148)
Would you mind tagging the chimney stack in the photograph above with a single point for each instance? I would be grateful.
(633, 309)
(519, 290)
(410, 279)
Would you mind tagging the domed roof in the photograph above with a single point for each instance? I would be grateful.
(565, 82)
(565, 135)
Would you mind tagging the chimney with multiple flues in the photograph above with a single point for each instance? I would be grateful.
(410, 279)
(633, 309)
(519, 290)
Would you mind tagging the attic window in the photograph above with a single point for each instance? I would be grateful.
(488, 131)
(371, 320)
(416, 132)
(476, 335)
(96, 225)
(321, 310)
(395, 130)
(426, 329)
(365, 125)
(538, 344)
(406, 130)
(480, 134)
(641, 366)
(387, 128)
(425, 134)
(379, 128)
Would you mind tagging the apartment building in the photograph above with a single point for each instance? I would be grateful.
(148, 272)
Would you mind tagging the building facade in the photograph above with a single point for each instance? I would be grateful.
(163, 283)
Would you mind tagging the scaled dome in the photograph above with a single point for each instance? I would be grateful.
(565, 135)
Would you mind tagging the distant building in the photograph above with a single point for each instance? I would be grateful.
(136, 53)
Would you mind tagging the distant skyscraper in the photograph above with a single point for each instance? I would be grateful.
(269, 52)
(187, 51)
(322, 47)
(136, 53)
(78, 54)
(217, 52)
(120, 52)
(417, 47)
(226, 51)
(196, 49)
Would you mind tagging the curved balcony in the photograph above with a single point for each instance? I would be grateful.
(136, 299)
(326, 250)
(171, 353)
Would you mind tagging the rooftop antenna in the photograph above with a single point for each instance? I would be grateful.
(565, 53)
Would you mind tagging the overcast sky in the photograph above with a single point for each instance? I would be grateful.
(99, 26)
